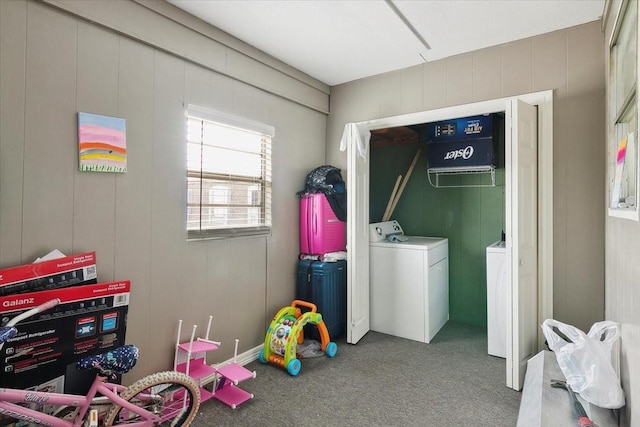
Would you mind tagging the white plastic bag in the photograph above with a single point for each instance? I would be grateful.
(586, 360)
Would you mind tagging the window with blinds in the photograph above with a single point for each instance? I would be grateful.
(228, 175)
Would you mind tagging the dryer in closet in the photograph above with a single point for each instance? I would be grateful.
(409, 282)
(497, 304)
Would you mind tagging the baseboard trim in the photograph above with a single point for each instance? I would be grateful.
(243, 358)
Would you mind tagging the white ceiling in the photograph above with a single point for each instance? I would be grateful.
(340, 41)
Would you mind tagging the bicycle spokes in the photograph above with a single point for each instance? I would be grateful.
(170, 402)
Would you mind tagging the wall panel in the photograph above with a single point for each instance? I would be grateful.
(585, 176)
(391, 93)
(486, 73)
(13, 41)
(50, 152)
(132, 234)
(168, 195)
(516, 67)
(459, 79)
(434, 85)
(412, 89)
(97, 93)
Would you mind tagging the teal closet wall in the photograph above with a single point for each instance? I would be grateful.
(471, 218)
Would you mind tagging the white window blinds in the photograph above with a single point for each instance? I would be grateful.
(228, 175)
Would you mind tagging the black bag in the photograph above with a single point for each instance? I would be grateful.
(328, 180)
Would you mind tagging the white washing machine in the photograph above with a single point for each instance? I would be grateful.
(409, 282)
(497, 299)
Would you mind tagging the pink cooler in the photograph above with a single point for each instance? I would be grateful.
(321, 231)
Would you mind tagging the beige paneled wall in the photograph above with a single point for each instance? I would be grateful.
(622, 284)
(54, 64)
(49, 166)
(133, 198)
(570, 63)
(187, 37)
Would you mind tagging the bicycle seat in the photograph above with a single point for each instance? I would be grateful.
(118, 361)
(6, 333)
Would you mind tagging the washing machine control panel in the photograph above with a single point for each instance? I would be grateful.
(379, 231)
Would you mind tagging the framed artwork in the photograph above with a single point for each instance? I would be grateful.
(102, 143)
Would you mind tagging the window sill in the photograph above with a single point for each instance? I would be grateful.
(229, 234)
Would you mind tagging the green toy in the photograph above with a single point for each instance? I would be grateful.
(286, 331)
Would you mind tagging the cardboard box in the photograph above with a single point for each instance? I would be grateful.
(463, 128)
(89, 320)
(460, 154)
(466, 142)
(79, 269)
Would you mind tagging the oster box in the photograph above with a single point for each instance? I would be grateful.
(90, 319)
(465, 142)
(73, 270)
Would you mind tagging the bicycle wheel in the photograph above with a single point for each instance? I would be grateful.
(172, 395)
(67, 413)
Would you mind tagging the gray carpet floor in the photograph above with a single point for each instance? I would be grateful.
(381, 381)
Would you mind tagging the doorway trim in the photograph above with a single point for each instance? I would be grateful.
(544, 101)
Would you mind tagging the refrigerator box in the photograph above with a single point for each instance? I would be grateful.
(90, 319)
(72, 270)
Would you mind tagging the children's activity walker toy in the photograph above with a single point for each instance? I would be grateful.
(286, 332)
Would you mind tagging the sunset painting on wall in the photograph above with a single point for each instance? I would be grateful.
(102, 143)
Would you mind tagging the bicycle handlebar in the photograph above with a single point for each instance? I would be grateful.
(35, 310)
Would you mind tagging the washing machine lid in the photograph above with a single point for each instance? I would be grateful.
(413, 242)
(381, 234)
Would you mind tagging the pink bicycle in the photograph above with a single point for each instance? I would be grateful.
(163, 398)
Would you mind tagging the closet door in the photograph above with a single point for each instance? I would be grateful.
(357, 242)
(522, 245)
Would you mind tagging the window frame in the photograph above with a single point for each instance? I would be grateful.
(267, 132)
(623, 122)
